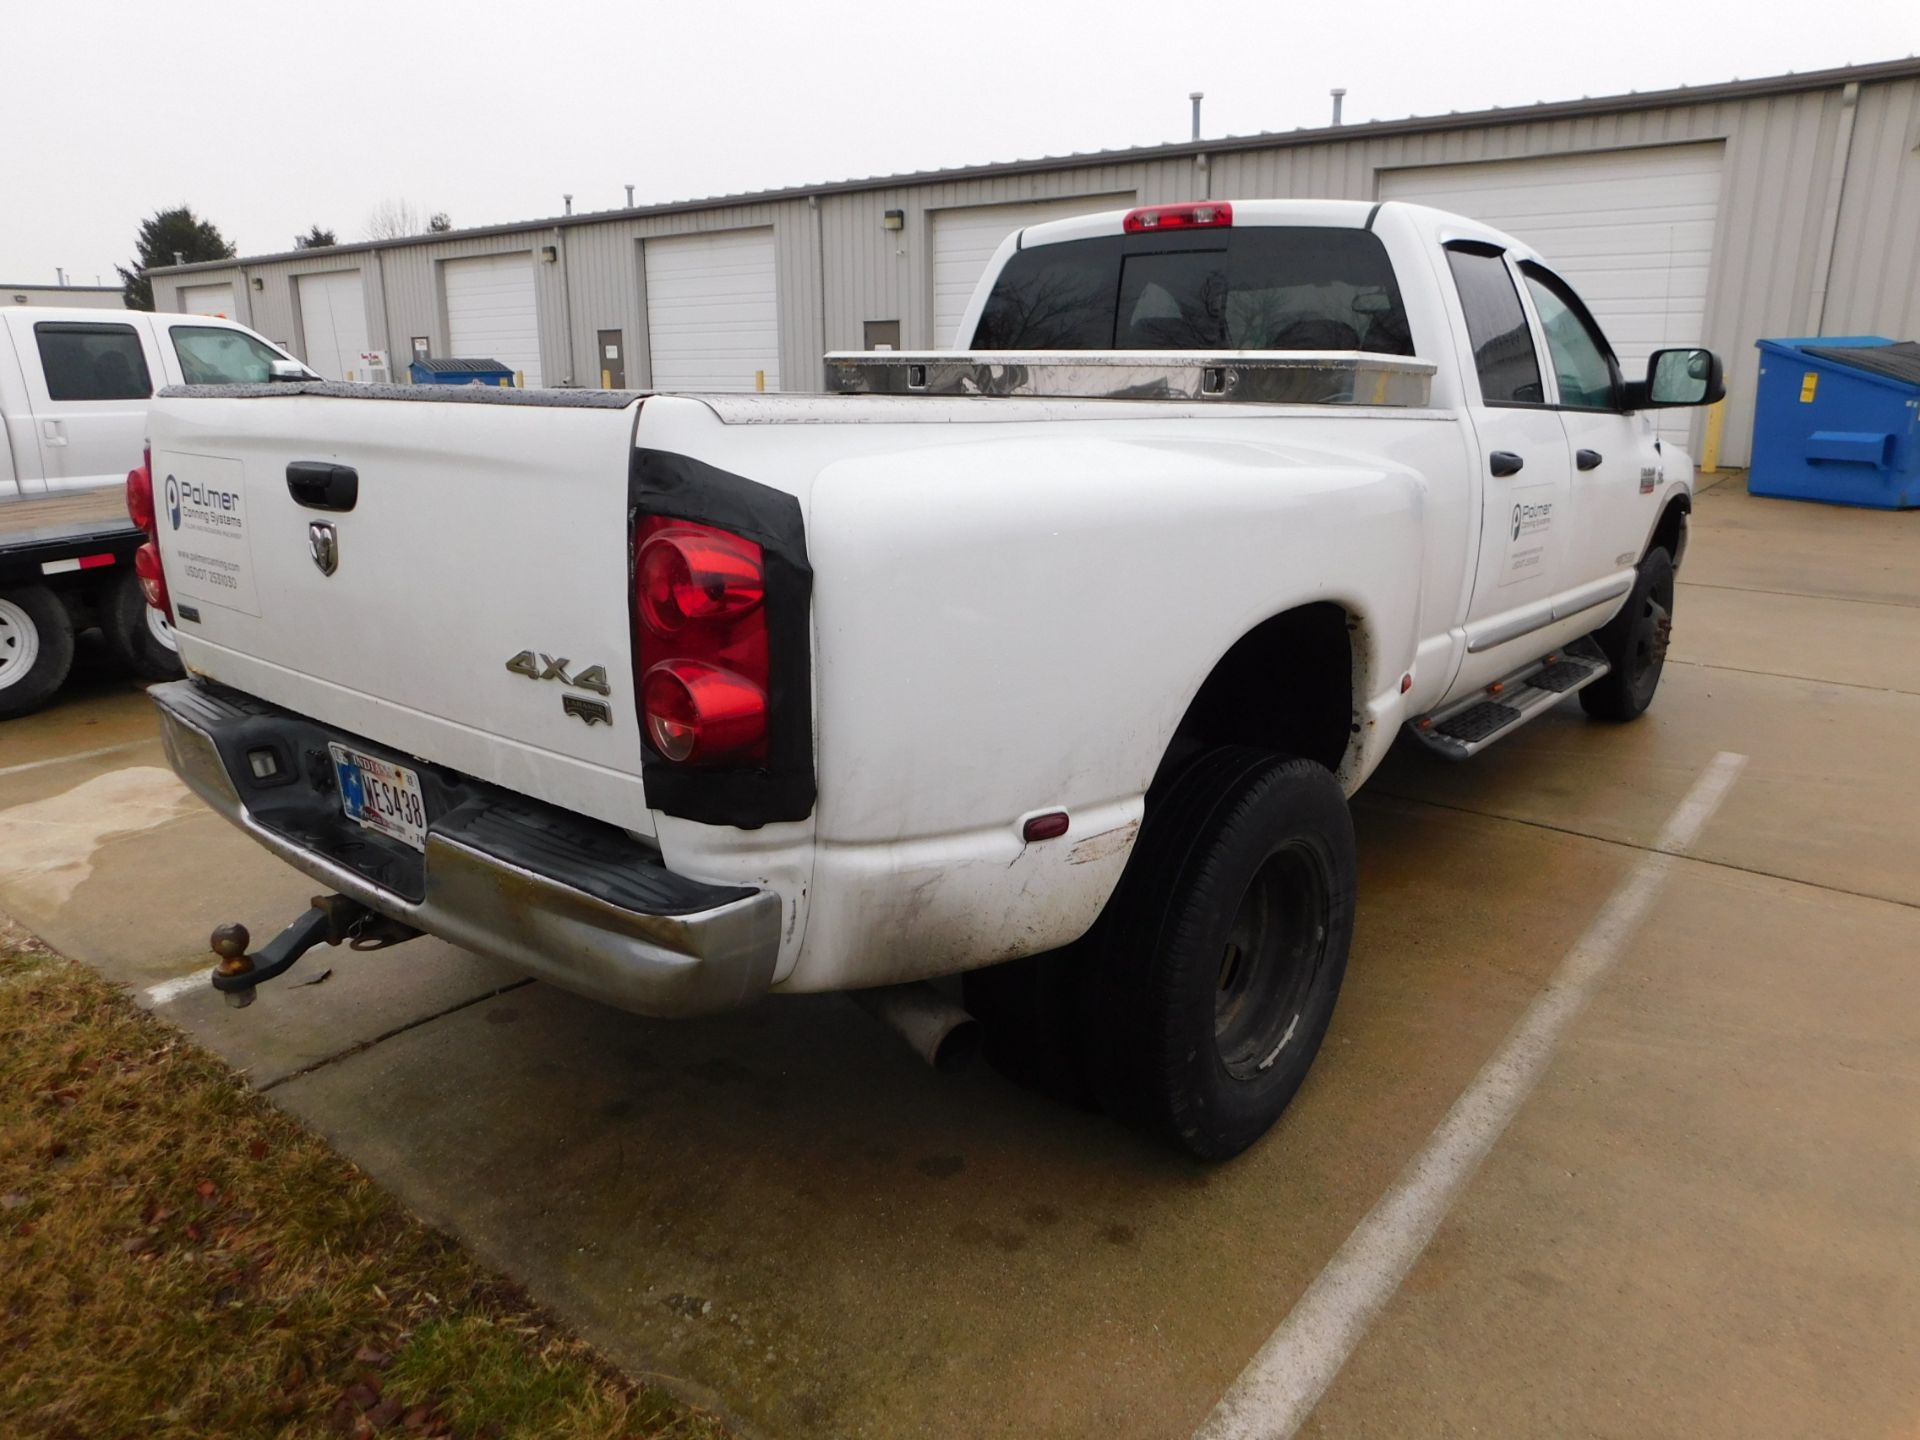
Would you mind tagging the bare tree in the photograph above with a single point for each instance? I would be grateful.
(394, 219)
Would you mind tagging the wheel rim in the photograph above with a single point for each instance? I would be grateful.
(1274, 949)
(161, 629)
(1650, 640)
(19, 644)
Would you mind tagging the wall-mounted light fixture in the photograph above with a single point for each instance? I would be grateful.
(258, 283)
(894, 220)
(549, 254)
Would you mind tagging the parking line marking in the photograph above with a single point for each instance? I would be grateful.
(1283, 1382)
(76, 755)
(173, 989)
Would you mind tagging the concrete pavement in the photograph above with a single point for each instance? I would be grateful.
(1705, 1221)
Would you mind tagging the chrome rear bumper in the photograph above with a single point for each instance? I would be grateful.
(565, 899)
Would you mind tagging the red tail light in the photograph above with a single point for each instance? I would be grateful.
(140, 494)
(694, 572)
(146, 560)
(153, 580)
(1201, 215)
(700, 620)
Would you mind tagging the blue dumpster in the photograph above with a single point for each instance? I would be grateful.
(449, 370)
(1838, 419)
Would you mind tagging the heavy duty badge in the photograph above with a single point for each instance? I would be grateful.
(537, 666)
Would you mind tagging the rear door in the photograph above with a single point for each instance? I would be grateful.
(20, 472)
(1525, 466)
(87, 383)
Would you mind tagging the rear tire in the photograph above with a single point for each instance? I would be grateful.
(36, 648)
(1220, 956)
(138, 634)
(1635, 643)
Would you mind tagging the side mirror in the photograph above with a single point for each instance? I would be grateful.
(288, 372)
(1678, 378)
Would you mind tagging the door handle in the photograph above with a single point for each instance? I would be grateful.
(1587, 459)
(321, 486)
(53, 432)
(1504, 462)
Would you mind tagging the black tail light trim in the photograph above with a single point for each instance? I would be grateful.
(663, 483)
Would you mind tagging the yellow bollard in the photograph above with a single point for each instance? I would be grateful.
(1710, 443)
(760, 381)
(606, 379)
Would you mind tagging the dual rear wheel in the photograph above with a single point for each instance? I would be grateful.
(37, 628)
(1197, 1003)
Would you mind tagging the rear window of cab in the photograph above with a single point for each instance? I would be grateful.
(1256, 287)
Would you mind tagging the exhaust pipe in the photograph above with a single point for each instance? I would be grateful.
(935, 1029)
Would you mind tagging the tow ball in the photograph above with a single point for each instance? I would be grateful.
(332, 920)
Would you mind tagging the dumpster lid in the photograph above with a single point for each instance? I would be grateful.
(1899, 361)
(453, 364)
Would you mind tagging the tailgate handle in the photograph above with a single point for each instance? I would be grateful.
(321, 486)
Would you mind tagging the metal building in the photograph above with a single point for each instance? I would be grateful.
(1719, 214)
(85, 297)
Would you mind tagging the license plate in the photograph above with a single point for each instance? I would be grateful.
(383, 797)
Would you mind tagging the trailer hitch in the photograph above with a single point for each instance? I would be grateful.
(332, 920)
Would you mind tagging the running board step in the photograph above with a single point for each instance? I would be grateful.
(1468, 726)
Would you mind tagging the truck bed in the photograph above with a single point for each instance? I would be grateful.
(46, 534)
(80, 513)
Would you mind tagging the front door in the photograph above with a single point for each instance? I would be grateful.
(1524, 469)
(613, 360)
(1615, 455)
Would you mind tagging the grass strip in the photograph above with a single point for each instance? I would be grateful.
(178, 1258)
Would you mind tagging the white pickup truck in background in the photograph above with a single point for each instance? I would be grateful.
(1052, 660)
(74, 387)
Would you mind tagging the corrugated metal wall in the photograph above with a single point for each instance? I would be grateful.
(838, 266)
(873, 273)
(1876, 254)
(1779, 152)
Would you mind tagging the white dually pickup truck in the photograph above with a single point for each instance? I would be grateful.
(1052, 659)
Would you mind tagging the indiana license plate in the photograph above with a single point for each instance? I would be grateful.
(383, 797)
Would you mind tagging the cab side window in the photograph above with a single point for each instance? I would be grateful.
(92, 362)
(1582, 361)
(1502, 344)
(210, 355)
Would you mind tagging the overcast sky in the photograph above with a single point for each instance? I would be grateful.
(269, 118)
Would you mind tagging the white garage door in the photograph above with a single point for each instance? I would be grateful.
(964, 241)
(1631, 229)
(207, 300)
(491, 313)
(713, 311)
(333, 323)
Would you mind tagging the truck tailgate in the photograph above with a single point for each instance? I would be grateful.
(477, 533)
